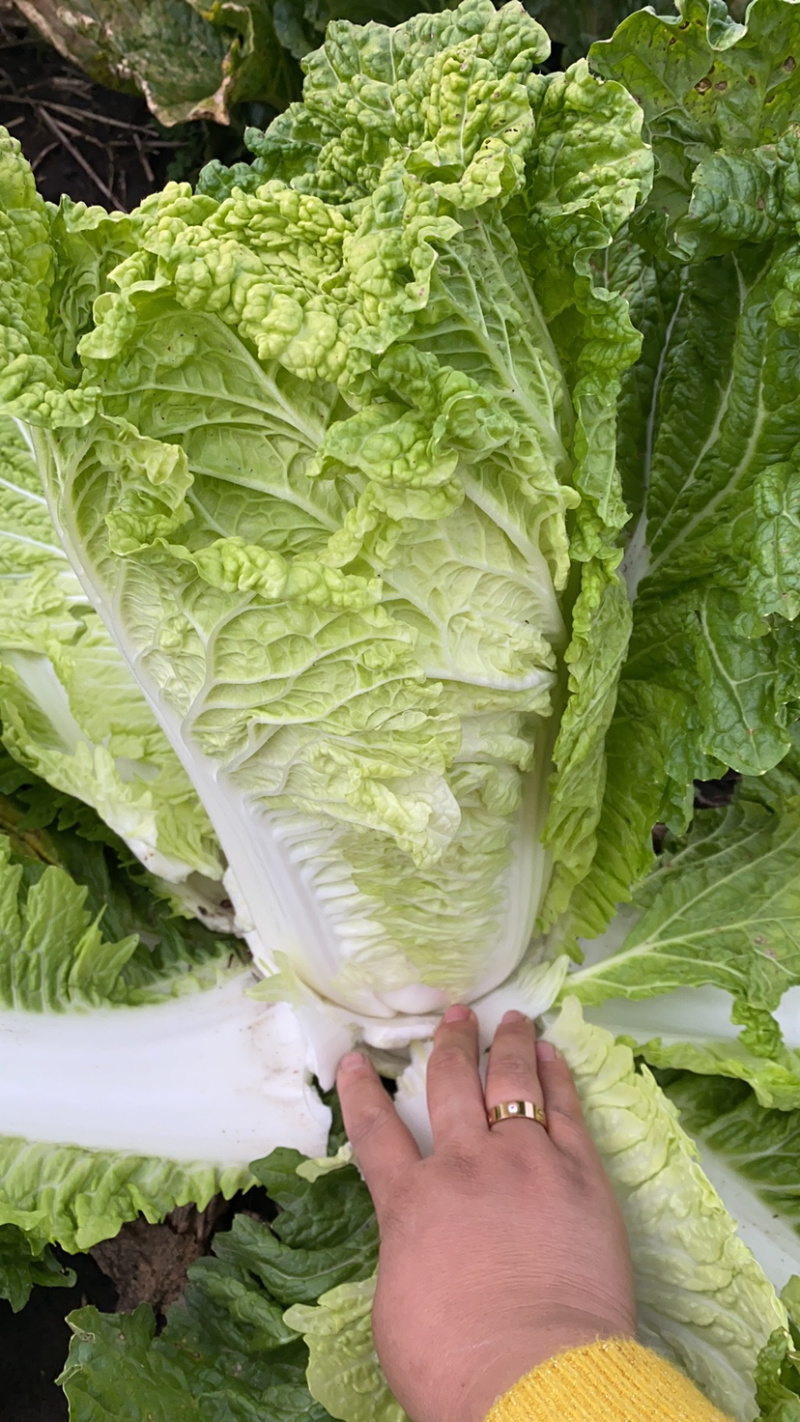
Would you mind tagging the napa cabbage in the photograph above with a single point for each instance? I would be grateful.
(393, 527)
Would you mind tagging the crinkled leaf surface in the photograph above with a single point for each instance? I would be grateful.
(226, 1352)
(708, 425)
(343, 1369)
(70, 709)
(323, 499)
(701, 1295)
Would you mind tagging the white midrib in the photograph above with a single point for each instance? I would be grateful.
(22, 493)
(636, 562)
(272, 897)
(709, 508)
(722, 671)
(658, 946)
(649, 944)
(211, 1077)
(26, 542)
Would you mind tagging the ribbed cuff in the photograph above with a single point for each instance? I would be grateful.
(614, 1380)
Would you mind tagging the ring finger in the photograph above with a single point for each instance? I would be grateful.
(511, 1074)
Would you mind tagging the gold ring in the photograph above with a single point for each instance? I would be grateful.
(511, 1110)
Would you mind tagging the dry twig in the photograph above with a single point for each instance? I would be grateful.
(42, 154)
(144, 160)
(71, 112)
(57, 132)
(74, 132)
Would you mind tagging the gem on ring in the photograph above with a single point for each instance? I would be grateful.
(527, 1110)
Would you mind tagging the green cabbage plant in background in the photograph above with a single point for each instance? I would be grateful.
(196, 60)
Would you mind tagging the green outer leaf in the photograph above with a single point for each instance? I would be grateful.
(774, 582)
(724, 910)
(171, 953)
(711, 944)
(718, 420)
(708, 434)
(21, 1267)
(76, 1197)
(325, 1235)
(777, 1371)
(78, 931)
(693, 1273)
(775, 1083)
(723, 83)
(633, 757)
(601, 626)
(227, 1354)
(52, 954)
(189, 59)
(750, 1155)
(31, 378)
(580, 189)
(344, 1374)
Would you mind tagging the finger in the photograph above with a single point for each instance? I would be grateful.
(455, 1098)
(565, 1124)
(383, 1146)
(512, 1073)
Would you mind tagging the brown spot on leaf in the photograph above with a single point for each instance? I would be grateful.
(760, 204)
(703, 85)
(722, 85)
(751, 79)
(790, 64)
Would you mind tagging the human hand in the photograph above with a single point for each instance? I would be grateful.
(505, 1246)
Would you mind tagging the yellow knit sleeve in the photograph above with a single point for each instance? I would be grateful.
(615, 1380)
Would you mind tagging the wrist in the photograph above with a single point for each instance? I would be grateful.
(516, 1357)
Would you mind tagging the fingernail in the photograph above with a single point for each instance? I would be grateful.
(546, 1052)
(457, 1013)
(512, 1016)
(354, 1061)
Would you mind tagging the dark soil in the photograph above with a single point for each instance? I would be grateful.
(144, 1264)
(35, 1341)
(95, 145)
(713, 794)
